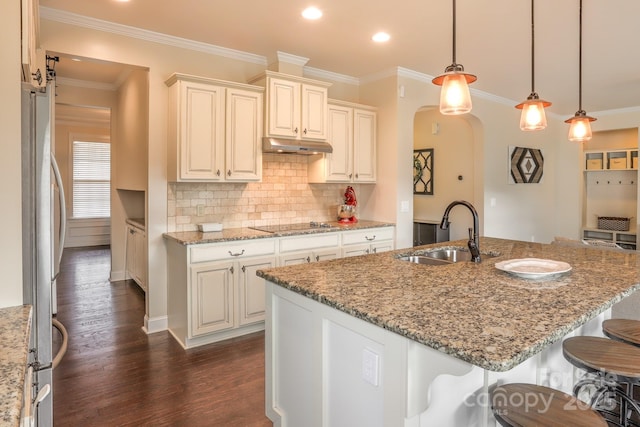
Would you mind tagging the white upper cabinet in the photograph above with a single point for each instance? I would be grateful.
(214, 130)
(352, 134)
(243, 157)
(296, 107)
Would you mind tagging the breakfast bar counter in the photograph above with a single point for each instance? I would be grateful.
(460, 319)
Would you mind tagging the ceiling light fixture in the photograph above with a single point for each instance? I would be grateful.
(533, 116)
(580, 124)
(454, 96)
(312, 13)
(381, 37)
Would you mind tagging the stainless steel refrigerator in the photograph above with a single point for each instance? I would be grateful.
(40, 252)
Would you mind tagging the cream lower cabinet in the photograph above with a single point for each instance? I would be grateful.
(308, 249)
(136, 255)
(368, 241)
(213, 290)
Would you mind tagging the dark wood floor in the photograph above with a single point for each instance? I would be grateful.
(113, 374)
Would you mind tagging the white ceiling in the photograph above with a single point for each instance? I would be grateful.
(493, 39)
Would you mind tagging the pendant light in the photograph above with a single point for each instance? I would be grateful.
(533, 116)
(454, 96)
(580, 124)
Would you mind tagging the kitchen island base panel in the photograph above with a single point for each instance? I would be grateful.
(326, 367)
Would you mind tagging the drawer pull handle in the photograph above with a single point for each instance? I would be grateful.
(370, 239)
(236, 254)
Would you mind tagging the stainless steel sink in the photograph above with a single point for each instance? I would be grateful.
(442, 256)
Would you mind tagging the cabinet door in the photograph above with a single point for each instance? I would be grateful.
(364, 146)
(284, 108)
(243, 136)
(201, 131)
(295, 258)
(340, 135)
(130, 252)
(326, 254)
(383, 246)
(314, 112)
(211, 298)
(355, 250)
(251, 295)
(140, 254)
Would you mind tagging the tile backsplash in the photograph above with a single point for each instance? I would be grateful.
(284, 196)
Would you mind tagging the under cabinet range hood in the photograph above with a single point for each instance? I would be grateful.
(294, 146)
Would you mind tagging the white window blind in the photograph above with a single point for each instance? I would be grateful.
(91, 179)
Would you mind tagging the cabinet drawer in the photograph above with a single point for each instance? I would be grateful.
(368, 235)
(232, 250)
(297, 243)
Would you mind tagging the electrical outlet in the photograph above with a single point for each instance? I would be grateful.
(370, 367)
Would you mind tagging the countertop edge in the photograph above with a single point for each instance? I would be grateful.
(15, 327)
(238, 234)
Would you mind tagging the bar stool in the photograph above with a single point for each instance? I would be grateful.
(612, 369)
(525, 405)
(624, 330)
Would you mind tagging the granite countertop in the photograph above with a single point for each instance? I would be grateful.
(15, 323)
(232, 234)
(473, 312)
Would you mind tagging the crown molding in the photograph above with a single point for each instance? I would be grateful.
(329, 75)
(140, 34)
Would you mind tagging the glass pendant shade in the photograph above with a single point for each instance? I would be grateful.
(533, 116)
(580, 127)
(454, 96)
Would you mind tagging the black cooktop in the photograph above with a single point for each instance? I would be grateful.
(292, 227)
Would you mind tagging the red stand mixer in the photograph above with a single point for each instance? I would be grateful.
(347, 211)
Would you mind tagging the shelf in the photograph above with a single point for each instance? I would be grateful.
(611, 160)
(624, 239)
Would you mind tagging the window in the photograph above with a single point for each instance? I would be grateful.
(91, 179)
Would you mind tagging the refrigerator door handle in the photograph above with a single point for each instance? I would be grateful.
(63, 212)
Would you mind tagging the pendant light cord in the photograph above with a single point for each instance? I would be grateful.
(533, 46)
(580, 63)
(454, 32)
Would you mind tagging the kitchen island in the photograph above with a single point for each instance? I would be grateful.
(376, 340)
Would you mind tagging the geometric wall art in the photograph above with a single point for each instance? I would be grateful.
(423, 171)
(525, 165)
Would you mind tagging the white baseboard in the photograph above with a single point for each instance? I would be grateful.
(116, 276)
(156, 324)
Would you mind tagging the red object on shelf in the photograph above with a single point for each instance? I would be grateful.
(351, 201)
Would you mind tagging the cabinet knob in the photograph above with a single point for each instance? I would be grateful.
(366, 251)
(236, 254)
(304, 131)
(295, 130)
(356, 176)
(131, 231)
(229, 172)
(308, 259)
(375, 250)
(350, 175)
(244, 269)
(218, 172)
(231, 270)
(317, 257)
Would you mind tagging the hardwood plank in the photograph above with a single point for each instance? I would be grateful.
(113, 374)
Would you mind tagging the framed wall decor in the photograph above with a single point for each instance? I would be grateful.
(423, 171)
(526, 165)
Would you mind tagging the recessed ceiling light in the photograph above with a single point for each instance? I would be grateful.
(381, 37)
(312, 13)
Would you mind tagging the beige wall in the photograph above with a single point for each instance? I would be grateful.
(10, 166)
(453, 157)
